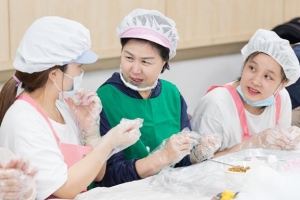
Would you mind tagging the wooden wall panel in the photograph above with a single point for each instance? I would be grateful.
(105, 40)
(100, 16)
(202, 22)
(4, 31)
(291, 9)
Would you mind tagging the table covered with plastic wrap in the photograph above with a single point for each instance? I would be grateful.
(207, 179)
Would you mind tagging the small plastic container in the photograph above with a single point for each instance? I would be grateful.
(237, 178)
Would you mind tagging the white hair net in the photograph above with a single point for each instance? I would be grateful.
(51, 41)
(270, 43)
(150, 25)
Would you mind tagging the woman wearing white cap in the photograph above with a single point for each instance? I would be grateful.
(59, 135)
(255, 110)
(149, 41)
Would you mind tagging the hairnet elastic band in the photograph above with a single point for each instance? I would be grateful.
(17, 80)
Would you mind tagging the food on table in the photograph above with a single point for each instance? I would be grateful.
(225, 195)
(239, 168)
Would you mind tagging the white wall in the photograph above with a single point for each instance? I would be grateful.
(192, 77)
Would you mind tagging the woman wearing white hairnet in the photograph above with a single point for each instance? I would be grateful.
(149, 41)
(57, 133)
(255, 110)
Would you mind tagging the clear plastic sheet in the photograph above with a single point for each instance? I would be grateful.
(208, 178)
(200, 181)
(136, 190)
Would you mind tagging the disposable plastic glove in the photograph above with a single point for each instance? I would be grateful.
(207, 146)
(179, 145)
(293, 133)
(17, 180)
(124, 134)
(86, 107)
(269, 139)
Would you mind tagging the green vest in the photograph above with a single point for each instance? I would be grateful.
(162, 115)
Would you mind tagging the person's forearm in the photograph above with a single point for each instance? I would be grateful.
(252, 142)
(227, 151)
(85, 171)
(93, 139)
(151, 164)
(101, 173)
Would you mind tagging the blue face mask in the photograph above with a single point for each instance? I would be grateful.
(267, 102)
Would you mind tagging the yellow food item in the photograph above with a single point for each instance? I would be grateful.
(227, 195)
(239, 168)
(225, 198)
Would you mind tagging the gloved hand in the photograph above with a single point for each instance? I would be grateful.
(175, 148)
(293, 133)
(269, 139)
(124, 134)
(17, 180)
(207, 146)
(86, 107)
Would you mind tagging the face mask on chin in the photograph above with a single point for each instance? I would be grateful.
(134, 87)
(77, 80)
(266, 102)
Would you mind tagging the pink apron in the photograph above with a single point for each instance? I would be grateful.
(72, 153)
(241, 110)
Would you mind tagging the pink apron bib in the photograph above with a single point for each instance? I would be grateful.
(241, 110)
(72, 153)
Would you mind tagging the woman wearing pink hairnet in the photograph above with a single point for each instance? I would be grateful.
(149, 41)
(52, 123)
(255, 110)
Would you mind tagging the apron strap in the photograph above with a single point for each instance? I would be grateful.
(71, 153)
(29, 100)
(241, 110)
(278, 107)
(239, 106)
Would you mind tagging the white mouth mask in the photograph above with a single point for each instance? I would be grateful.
(77, 80)
(134, 87)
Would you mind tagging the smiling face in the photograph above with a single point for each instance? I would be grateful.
(141, 63)
(261, 77)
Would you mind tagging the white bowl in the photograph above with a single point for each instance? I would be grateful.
(238, 178)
